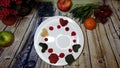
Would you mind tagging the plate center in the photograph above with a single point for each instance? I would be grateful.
(63, 41)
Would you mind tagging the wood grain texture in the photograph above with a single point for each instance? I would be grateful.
(101, 45)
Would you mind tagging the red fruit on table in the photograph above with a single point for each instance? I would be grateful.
(104, 7)
(104, 20)
(107, 13)
(64, 5)
(97, 13)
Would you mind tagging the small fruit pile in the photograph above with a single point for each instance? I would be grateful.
(102, 13)
(83, 13)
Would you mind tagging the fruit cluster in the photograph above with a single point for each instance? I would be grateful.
(102, 13)
(9, 7)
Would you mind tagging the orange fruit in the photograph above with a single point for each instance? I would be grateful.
(90, 23)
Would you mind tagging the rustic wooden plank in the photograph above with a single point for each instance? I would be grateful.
(117, 41)
(109, 57)
(2, 26)
(84, 59)
(95, 50)
(25, 39)
(41, 65)
(114, 18)
(38, 63)
(113, 44)
(9, 52)
(116, 6)
(59, 67)
(113, 31)
(114, 34)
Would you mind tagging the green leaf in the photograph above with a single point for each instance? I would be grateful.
(76, 47)
(69, 59)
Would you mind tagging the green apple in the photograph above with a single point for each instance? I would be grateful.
(6, 38)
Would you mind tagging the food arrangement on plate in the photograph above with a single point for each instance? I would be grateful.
(59, 40)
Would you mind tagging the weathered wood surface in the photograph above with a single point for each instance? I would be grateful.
(101, 46)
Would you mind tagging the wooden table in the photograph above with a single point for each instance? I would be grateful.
(101, 46)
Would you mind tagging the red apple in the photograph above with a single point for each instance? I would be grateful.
(64, 5)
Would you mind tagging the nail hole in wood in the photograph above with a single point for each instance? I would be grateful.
(100, 61)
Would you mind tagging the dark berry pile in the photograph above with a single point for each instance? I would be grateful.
(102, 13)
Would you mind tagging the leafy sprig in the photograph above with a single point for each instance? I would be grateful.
(83, 12)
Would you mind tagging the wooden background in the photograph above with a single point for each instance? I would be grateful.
(101, 46)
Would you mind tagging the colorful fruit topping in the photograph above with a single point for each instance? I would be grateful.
(46, 39)
(90, 23)
(53, 58)
(44, 47)
(76, 47)
(63, 22)
(69, 59)
(44, 32)
(61, 55)
(50, 50)
(51, 28)
(67, 28)
(74, 41)
(102, 13)
(70, 50)
(58, 26)
(73, 33)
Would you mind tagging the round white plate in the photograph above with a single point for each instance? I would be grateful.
(59, 40)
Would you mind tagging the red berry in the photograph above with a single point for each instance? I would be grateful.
(97, 13)
(74, 41)
(61, 55)
(107, 13)
(50, 50)
(46, 39)
(58, 26)
(70, 50)
(104, 20)
(104, 7)
(67, 28)
(73, 33)
(51, 28)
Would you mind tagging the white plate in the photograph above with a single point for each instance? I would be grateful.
(60, 40)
